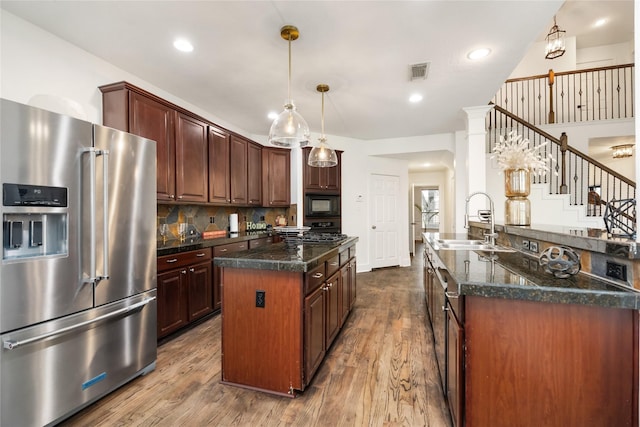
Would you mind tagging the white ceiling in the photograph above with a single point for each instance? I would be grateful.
(361, 49)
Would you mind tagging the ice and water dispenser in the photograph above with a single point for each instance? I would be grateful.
(32, 223)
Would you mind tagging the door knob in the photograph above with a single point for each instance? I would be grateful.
(373, 227)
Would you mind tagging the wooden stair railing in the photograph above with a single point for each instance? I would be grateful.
(573, 172)
(573, 96)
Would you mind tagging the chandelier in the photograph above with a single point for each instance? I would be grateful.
(622, 151)
(289, 128)
(555, 42)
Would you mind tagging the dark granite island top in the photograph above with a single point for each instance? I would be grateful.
(514, 275)
(305, 257)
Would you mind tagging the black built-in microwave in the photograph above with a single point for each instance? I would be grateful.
(321, 205)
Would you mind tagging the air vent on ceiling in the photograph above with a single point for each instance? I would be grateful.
(419, 71)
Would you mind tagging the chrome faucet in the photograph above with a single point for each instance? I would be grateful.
(483, 216)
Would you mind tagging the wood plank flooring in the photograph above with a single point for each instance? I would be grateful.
(380, 371)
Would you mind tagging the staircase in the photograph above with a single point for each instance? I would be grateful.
(579, 191)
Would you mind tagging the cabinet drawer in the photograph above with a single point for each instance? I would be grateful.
(314, 278)
(344, 256)
(169, 262)
(229, 248)
(333, 264)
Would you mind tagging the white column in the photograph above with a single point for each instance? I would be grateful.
(475, 163)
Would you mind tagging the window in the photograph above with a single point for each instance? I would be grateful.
(430, 209)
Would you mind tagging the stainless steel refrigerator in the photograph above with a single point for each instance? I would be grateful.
(78, 269)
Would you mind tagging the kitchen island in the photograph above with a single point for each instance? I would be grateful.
(282, 309)
(517, 346)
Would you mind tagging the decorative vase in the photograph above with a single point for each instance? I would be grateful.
(517, 207)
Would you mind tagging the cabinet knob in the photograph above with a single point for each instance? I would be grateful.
(192, 269)
(317, 275)
(183, 272)
(171, 196)
(180, 197)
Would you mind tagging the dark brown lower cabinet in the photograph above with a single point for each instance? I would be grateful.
(334, 315)
(172, 304)
(455, 357)
(185, 291)
(314, 331)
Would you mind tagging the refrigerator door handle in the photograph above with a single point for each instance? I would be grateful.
(92, 215)
(11, 344)
(105, 214)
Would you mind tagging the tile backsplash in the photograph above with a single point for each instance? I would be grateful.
(212, 218)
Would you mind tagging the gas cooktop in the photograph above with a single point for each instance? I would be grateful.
(314, 237)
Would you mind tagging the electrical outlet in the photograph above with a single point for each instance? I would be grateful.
(525, 244)
(617, 271)
(260, 298)
(533, 246)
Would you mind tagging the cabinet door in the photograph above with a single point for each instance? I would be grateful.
(153, 120)
(172, 302)
(200, 290)
(344, 294)
(333, 308)
(331, 179)
(312, 175)
(314, 332)
(238, 165)
(219, 178)
(254, 174)
(455, 342)
(276, 177)
(191, 160)
(352, 283)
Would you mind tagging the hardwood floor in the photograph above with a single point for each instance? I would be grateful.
(380, 371)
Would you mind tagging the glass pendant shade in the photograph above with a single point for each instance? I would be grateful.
(289, 129)
(322, 156)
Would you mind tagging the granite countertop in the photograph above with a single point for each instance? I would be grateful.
(515, 275)
(171, 247)
(589, 239)
(303, 258)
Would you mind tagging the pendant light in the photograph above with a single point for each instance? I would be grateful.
(555, 42)
(322, 156)
(289, 128)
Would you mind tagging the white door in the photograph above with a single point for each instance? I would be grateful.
(385, 226)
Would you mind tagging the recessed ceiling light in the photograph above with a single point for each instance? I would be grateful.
(416, 97)
(600, 22)
(183, 45)
(272, 115)
(478, 53)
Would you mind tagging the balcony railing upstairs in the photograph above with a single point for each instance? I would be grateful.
(576, 96)
(587, 182)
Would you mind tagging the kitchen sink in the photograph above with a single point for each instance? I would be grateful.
(468, 245)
